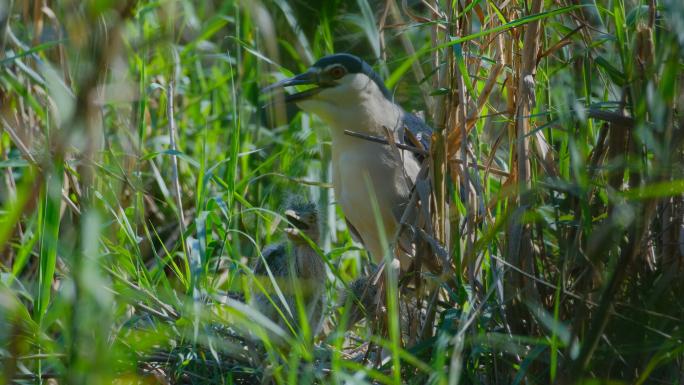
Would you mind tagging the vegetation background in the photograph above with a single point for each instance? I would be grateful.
(139, 182)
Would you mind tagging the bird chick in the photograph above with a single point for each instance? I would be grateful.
(295, 268)
(361, 296)
(365, 299)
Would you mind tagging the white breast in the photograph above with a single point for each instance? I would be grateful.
(362, 168)
(359, 105)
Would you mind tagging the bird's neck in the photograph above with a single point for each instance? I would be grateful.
(374, 117)
(309, 263)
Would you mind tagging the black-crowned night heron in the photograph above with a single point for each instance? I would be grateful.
(349, 95)
(294, 265)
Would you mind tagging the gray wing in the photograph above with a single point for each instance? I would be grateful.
(274, 255)
(416, 132)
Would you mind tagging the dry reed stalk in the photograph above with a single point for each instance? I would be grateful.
(406, 43)
(520, 250)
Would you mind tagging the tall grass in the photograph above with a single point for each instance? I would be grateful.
(141, 177)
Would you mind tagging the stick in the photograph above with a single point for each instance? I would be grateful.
(380, 140)
(419, 151)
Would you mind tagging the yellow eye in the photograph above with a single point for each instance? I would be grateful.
(337, 72)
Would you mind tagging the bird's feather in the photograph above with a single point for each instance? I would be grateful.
(271, 254)
(416, 132)
(354, 233)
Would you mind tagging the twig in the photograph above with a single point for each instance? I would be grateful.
(380, 140)
(4, 26)
(305, 182)
(25, 152)
(417, 150)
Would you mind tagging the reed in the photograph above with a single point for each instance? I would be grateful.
(140, 181)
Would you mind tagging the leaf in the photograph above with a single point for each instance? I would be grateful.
(463, 69)
(38, 48)
(615, 74)
(177, 153)
(656, 190)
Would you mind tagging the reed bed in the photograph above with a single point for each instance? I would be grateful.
(141, 177)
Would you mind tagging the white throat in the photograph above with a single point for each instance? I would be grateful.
(356, 104)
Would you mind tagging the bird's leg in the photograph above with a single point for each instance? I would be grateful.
(367, 354)
(378, 356)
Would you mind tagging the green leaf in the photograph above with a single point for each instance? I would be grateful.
(656, 190)
(38, 48)
(615, 74)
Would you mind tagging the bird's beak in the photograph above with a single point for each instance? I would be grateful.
(296, 220)
(309, 77)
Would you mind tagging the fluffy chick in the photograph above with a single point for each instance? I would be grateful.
(295, 266)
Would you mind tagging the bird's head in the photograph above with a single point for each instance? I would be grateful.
(338, 82)
(303, 218)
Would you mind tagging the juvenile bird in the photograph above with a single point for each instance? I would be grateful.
(349, 95)
(294, 266)
(365, 299)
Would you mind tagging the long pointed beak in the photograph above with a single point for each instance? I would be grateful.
(308, 77)
(296, 219)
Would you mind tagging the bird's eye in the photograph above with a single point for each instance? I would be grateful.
(337, 72)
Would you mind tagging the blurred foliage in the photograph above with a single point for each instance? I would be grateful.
(140, 179)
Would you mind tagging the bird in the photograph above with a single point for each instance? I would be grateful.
(348, 95)
(294, 265)
(365, 299)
